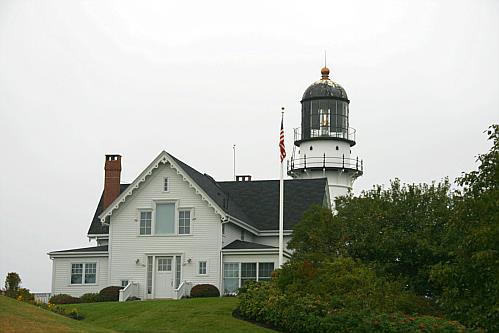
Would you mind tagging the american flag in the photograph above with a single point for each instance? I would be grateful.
(281, 141)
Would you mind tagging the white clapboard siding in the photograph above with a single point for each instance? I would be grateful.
(126, 245)
(233, 232)
(62, 276)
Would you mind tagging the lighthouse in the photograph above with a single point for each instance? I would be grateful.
(323, 144)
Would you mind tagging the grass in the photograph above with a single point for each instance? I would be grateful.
(17, 316)
(169, 316)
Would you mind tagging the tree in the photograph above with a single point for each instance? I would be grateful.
(397, 229)
(12, 282)
(470, 278)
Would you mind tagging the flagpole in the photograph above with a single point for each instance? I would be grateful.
(281, 206)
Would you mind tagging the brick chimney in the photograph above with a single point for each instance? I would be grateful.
(112, 173)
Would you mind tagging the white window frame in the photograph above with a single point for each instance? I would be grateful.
(167, 183)
(145, 210)
(205, 267)
(248, 262)
(84, 264)
(191, 218)
(124, 284)
(167, 266)
(175, 218)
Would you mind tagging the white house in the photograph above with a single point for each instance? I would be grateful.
(174, 227)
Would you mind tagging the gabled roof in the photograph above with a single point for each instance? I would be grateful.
(254, 203)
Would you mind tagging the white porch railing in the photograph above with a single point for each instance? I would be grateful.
(184, 289)
(131, 290)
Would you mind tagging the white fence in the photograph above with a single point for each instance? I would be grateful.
(42, 297)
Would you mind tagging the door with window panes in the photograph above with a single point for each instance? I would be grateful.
(163, 282)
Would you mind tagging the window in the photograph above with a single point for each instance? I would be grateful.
(202, 268)
(145, 223)
(184, 222)
(164, 264)
(231, 277)
(90, 273)
(242, 235)
(149, 275)
(84, 273)
(76, 273)
(223, 229)
(165, 218)
(124, 283)
(324, 121)
(248, 272)
(165, 184)
(237, 274)
(178, 265)
(265, 270)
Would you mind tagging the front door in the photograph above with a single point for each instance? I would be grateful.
(163, 284)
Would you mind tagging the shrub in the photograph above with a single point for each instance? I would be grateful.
(204, 290)
(64, 299)
(23, 294)
(90, 298)
(297, 312)
(111, 293)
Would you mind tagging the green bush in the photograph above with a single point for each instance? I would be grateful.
(204, 290)
(64, 299)
(297, 312)
(338, 295)
(111, 293)
(90, 298)
(24, 294)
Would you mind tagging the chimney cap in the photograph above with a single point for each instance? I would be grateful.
(113, 157)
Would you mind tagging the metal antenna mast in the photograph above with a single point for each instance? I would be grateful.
(234, 161)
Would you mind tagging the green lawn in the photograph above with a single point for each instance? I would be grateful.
(186, 315)
(17, 316)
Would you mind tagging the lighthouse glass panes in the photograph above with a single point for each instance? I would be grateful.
(325, 117)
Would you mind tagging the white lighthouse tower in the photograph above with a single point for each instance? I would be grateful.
(323, 143)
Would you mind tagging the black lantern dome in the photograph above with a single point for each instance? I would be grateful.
(325, 112)
(325, 88)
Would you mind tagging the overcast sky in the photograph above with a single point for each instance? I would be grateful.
(79, 79)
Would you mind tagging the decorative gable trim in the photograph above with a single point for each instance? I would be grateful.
(162, 158)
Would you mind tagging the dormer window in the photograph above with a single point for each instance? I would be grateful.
(165, 184)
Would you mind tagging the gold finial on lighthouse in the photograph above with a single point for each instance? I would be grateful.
(325, 73)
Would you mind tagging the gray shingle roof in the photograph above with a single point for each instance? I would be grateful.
(254, 202)
(259, 200)
(102, 248)
(242, 245)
